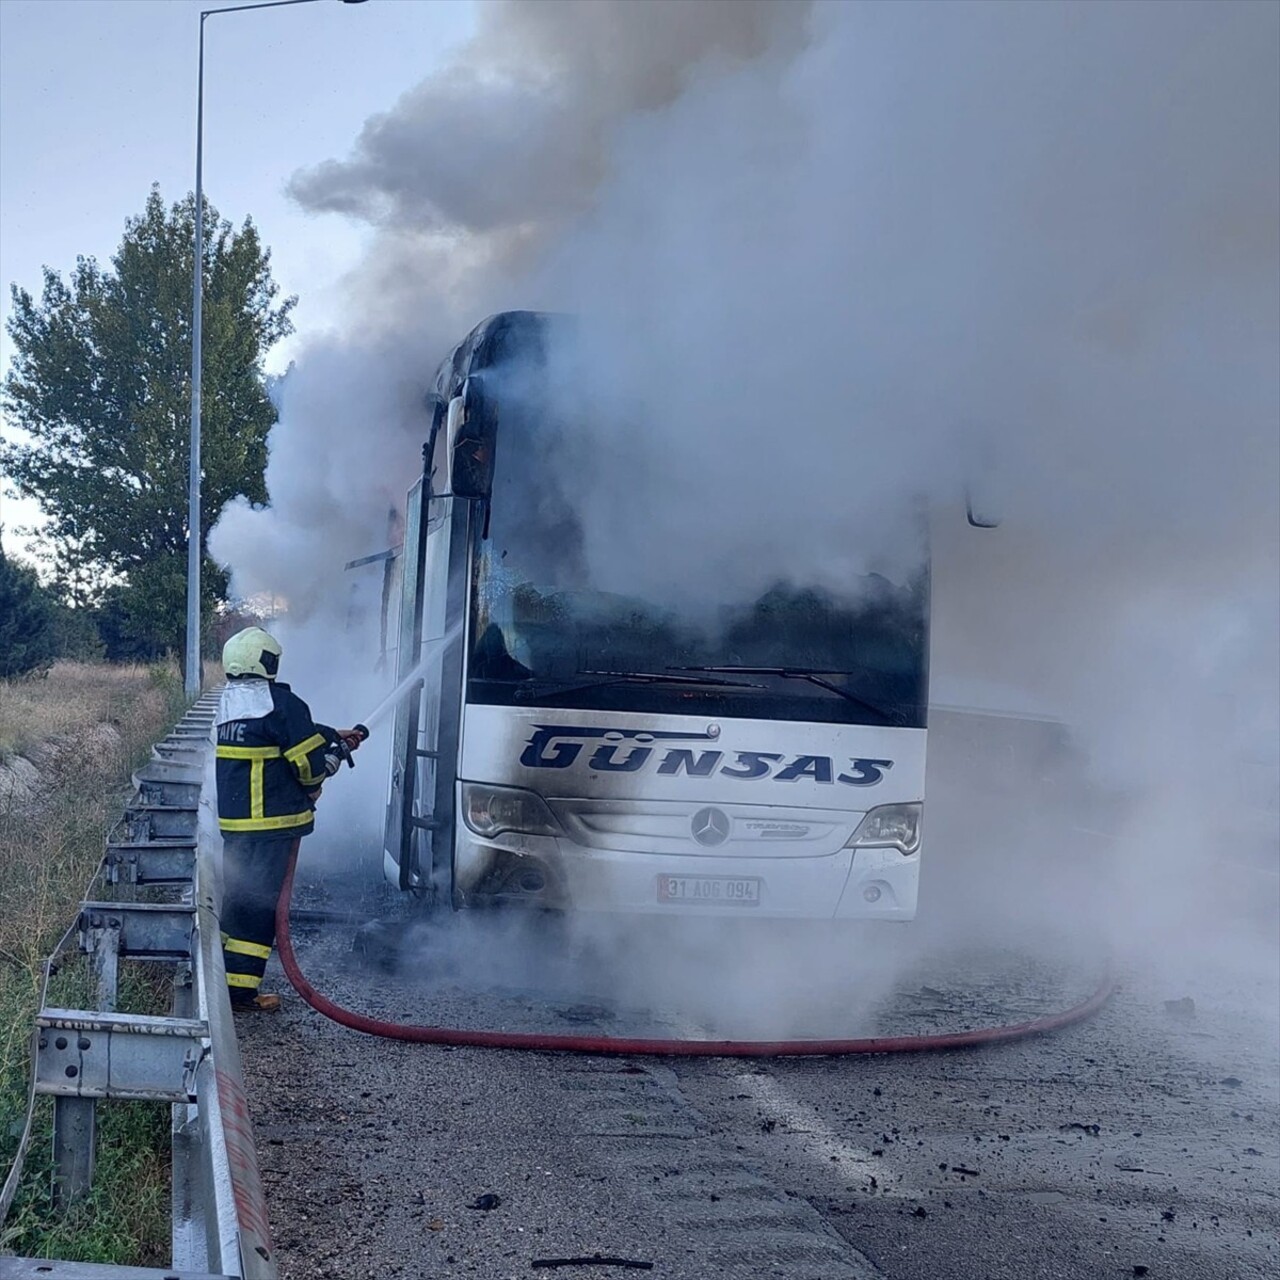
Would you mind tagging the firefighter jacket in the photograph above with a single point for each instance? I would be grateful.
(270, 756)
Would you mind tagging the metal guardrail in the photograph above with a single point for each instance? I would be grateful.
(189, 1058)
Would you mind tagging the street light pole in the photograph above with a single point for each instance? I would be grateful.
(192, 675)
(194, 541)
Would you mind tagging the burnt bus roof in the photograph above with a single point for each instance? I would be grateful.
(490, 343)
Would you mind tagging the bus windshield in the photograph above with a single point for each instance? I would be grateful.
(543, 634)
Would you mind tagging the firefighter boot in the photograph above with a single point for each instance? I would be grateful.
(256, 1004)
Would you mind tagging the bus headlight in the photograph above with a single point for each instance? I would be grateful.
(889, 826)
(489, 811)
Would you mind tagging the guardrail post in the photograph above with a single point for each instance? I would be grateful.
(104, 960)
(75, 1120)
(75, 1147)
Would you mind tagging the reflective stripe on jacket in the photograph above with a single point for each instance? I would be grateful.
(269, 761)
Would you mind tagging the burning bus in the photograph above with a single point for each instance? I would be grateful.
(572, 747)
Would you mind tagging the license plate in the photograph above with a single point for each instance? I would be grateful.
(715, 891)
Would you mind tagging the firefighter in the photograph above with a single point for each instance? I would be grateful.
(272, 759)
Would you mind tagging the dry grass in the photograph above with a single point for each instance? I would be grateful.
(74, 696)
(85, 726)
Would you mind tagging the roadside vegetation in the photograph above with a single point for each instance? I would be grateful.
(68, 741)
(98, 394)
(96, 402)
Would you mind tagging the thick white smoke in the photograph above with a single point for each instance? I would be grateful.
(470, 178)
(831, 261)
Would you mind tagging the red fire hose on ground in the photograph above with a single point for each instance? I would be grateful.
(658, 1047)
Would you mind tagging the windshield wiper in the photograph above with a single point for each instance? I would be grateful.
(665, 677)
(550, 689)
(813, 676)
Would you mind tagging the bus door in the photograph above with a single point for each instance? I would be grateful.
(425, 748)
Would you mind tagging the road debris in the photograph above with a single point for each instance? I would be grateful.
(586, 1013)
(485, 1202)
(596, 1260)
(1184, 1008)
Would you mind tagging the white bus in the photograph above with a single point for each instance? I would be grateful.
(575, 749)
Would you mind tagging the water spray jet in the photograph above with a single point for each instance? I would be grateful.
(411, 682)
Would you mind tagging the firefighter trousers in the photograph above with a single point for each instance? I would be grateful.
(253, 870)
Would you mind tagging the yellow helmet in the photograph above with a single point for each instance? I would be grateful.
(251, 652)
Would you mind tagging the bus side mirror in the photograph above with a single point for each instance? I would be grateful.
(979, 510)
(474, 441)
(982, 476)
(979, 519)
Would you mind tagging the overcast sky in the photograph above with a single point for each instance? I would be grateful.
(98, 98)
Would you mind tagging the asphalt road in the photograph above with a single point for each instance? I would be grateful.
(1146, 1138)
(1143, 1142)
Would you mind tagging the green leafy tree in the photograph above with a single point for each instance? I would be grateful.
(77, 633)
(101, 386)
(125, 616)
(28, 639)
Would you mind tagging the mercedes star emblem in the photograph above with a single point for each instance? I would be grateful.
(710, 826)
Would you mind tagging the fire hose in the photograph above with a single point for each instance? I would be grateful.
(658, 1047)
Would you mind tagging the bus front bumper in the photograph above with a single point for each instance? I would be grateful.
(555, 874)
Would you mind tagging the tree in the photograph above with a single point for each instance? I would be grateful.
(76, 633)
(125, 628)
(27, 628)
(101, 384)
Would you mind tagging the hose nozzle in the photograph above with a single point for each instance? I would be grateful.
(344, 747)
